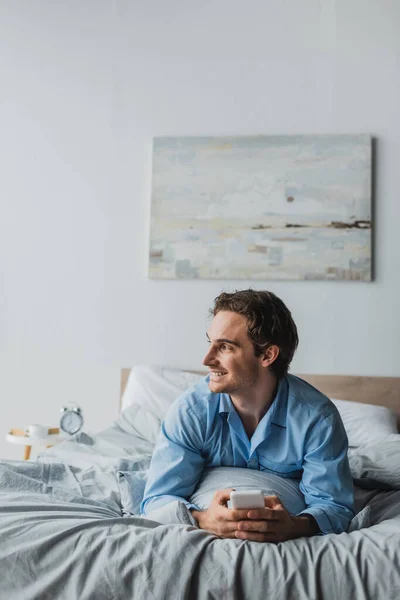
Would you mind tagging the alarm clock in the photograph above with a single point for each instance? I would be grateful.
(71, 419)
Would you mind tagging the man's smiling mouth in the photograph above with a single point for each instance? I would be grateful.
(217, 373)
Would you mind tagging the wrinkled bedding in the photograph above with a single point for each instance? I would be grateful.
(67, 531)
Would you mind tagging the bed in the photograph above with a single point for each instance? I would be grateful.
(70, 528)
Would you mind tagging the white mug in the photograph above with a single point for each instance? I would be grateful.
(37, 430)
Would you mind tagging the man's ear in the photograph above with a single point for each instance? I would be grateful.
(270, 355)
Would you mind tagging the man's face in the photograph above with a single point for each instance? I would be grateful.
(230, 358)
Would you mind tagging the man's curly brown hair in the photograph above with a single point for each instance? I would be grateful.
(269, 323)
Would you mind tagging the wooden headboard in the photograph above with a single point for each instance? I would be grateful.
(383, 391)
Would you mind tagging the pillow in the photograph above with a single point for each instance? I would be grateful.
(137, 429)
(365, 423)
(156, 388)
(219, 478)
(149, 392)
(377, 466)
(132, 485)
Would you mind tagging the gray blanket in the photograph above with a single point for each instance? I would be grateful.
(66, 532)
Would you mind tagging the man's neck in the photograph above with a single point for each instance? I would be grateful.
(253, 404)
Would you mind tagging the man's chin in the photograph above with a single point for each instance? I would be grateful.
(217, 386)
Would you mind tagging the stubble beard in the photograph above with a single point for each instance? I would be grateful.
(238, 384)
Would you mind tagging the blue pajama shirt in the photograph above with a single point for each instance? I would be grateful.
(301, 436)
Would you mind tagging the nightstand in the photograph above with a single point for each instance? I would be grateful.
(19, 436)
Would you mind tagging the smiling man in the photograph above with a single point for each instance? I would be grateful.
(249, 412)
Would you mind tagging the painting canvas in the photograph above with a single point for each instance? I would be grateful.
(261, 207)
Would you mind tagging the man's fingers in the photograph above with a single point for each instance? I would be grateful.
(260, 526)
(236, 514)
(258, 537)
(273, 511)
(272, 502)
(227, 529)
(231, 515)
(231, 535)
(222, 496)
(254, 525)
(267, 514)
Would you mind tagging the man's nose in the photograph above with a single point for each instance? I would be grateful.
(209, 357)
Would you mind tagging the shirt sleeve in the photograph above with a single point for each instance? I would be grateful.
(177, 463)
(326, 483)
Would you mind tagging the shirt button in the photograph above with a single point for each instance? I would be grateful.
(252, 463)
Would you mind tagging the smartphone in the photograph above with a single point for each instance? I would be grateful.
(247, 499)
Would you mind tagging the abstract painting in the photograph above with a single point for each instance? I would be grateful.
(263, 207)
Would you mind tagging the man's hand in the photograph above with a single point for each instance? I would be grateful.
(218, 518)
(275, 524)
(272, 524)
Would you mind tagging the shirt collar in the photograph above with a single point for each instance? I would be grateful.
(278, 409)
(225, 404)
(279, 405)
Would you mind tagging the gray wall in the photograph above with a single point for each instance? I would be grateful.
(83, 88)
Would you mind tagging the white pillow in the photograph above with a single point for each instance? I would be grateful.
(149, 392)
(132, 484)
(155, 388)
(365, 424)
(219, 478)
